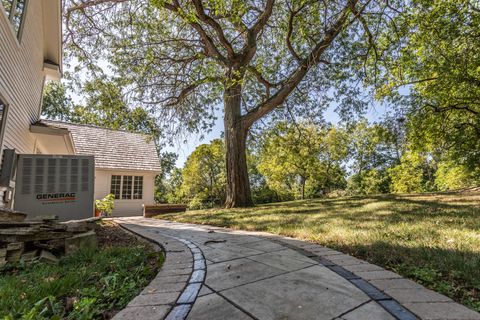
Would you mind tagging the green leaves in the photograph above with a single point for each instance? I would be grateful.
(302, 160)
(204, 176)
(105, 106)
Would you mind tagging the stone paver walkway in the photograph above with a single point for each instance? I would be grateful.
(216, 273)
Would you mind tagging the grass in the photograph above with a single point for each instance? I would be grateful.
(433, 239)
(90, 284)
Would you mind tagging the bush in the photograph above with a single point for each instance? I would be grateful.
(106, 205)
(450, 176)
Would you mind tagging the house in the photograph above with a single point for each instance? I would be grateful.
(30, 53)
(125, 163)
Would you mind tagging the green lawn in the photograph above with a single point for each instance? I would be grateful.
(431, 238)
(91, 284)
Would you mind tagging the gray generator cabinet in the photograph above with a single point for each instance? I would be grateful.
(55, 185)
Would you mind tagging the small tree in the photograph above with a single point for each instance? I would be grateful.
(204, 174)
(294, 158)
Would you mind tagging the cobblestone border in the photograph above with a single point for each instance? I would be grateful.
(190, 293)
(172, 293)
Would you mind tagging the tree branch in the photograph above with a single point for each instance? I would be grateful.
(211, 49)
(289, 35)
(250, 47)
(216, 26)
(297, 76)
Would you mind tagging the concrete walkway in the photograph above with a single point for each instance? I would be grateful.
(216, 273)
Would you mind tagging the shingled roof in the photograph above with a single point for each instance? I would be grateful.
(113, 149)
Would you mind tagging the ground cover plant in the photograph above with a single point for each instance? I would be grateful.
(432, 238)
(90, 284)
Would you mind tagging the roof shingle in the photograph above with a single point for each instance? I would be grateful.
(112, 149)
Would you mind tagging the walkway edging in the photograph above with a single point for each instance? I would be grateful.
(172, 307)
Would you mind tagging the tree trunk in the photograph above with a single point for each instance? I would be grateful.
(303, 180)
(238, 185)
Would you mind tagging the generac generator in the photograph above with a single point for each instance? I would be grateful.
(55, 185)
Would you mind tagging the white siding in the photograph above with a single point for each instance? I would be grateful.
(125, 207)
(21, 76)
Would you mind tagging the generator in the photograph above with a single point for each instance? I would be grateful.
(55, 185)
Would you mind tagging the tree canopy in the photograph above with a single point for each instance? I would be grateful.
(260, 62)
(185, 58)
(435, 57)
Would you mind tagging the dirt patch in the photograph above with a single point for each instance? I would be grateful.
(110, 234)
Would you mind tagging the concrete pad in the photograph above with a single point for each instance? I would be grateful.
(369, 311)
(311, 293)
(221, 276)
(158, 286)
(377, 275)
(179, 312)
(170, 265)
(387, 284)
(142, 313)
(296, 255)
(227, 253)
(214, 307)
(263, 245)
(204, 291)
(281, 260)
(190, 293)
(174, 272)
(242, 239)
(293, 242)
(240, 249)
(328, 253)
(442, 311)
(263, 286)
(346, 260)
(171, 279)
(154, 299)
(362, 267)
(416, 295)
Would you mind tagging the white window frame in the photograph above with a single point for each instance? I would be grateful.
(132, 194)
(3, 122)
(10, 16)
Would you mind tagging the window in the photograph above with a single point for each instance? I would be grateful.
(138, 188)
(3, 110)
(3, 117)
(15, 10)
(115, 186)
(127, 187)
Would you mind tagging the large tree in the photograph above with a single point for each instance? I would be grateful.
(250, 56)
